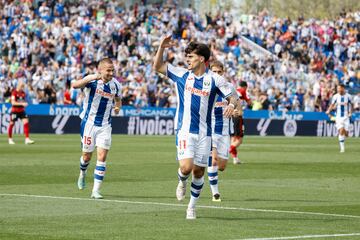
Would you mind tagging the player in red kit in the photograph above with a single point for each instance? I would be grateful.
(237, 136)
(18, 112)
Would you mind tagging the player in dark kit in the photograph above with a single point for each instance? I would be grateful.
(18, 112)
(238, 134)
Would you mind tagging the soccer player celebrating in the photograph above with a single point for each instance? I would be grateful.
(220, 137)
(197, 89)
(342, 102)
(102, 91)
(18, 112)
(237, 136)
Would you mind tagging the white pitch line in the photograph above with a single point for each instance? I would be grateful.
(183, 205)
(305, 236)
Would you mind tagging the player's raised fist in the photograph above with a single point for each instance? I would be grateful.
(167, 42)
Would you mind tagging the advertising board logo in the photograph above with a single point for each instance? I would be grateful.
(290, 128)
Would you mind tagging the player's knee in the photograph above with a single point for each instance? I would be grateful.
(186, 169)
(86, 157)
(198, 172)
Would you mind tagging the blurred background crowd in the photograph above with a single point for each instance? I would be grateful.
(289, 64)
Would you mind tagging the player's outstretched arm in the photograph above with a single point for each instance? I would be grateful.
(233, 102)
(350, 109)
(16, 103)
(159, 65)
(331, 107)
(118, 105)
(238, 110)
(82, 83)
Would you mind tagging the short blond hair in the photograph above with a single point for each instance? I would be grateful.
(104, 61)
(217, 63)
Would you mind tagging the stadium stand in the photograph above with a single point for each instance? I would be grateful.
(288, 64)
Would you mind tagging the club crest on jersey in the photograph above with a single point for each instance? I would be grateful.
(206, 83)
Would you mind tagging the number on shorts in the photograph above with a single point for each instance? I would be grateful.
(182, 144)
(87, 140)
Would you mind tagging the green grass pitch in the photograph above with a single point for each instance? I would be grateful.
(300, 177)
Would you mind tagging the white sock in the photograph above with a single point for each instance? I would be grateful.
(99, 174)
(342, 142)
(83, 167)
(213, 179)
(182, 178)
(196, 187)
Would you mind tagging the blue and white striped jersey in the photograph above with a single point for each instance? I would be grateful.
(221, 124)
(196, 97)
(342, 103)
(98, 101)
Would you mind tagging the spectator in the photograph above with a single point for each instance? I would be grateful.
(57, 41)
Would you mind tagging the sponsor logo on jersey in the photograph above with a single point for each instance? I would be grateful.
(196, 91)
(105, 94)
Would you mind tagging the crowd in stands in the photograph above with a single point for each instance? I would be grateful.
(48, 44)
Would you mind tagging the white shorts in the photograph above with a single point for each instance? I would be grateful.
(92, 136)
(193, 146)
(222, 145)
(343, 122)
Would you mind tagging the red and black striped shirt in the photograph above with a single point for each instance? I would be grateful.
(19, 97)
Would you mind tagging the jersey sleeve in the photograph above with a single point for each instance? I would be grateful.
(175, 73)
(91, 84)
(233, 90)
(118, 89)
(333, 99)
(225, 88)
(13, 95)
(242, 94)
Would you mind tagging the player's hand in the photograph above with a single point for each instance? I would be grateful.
(116, 110)
(236, 113)
(229, 110)
(97, 76)
(25, 104)
(93, 77)
(167, 42)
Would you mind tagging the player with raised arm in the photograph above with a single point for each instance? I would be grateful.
(18, 112)
(238, 134)
(341, 101)
(197, 89)
(102, 93)
(220, 137)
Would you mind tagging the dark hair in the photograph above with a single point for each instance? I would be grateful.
(243, 84)
(199, 49)
(342, 85)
